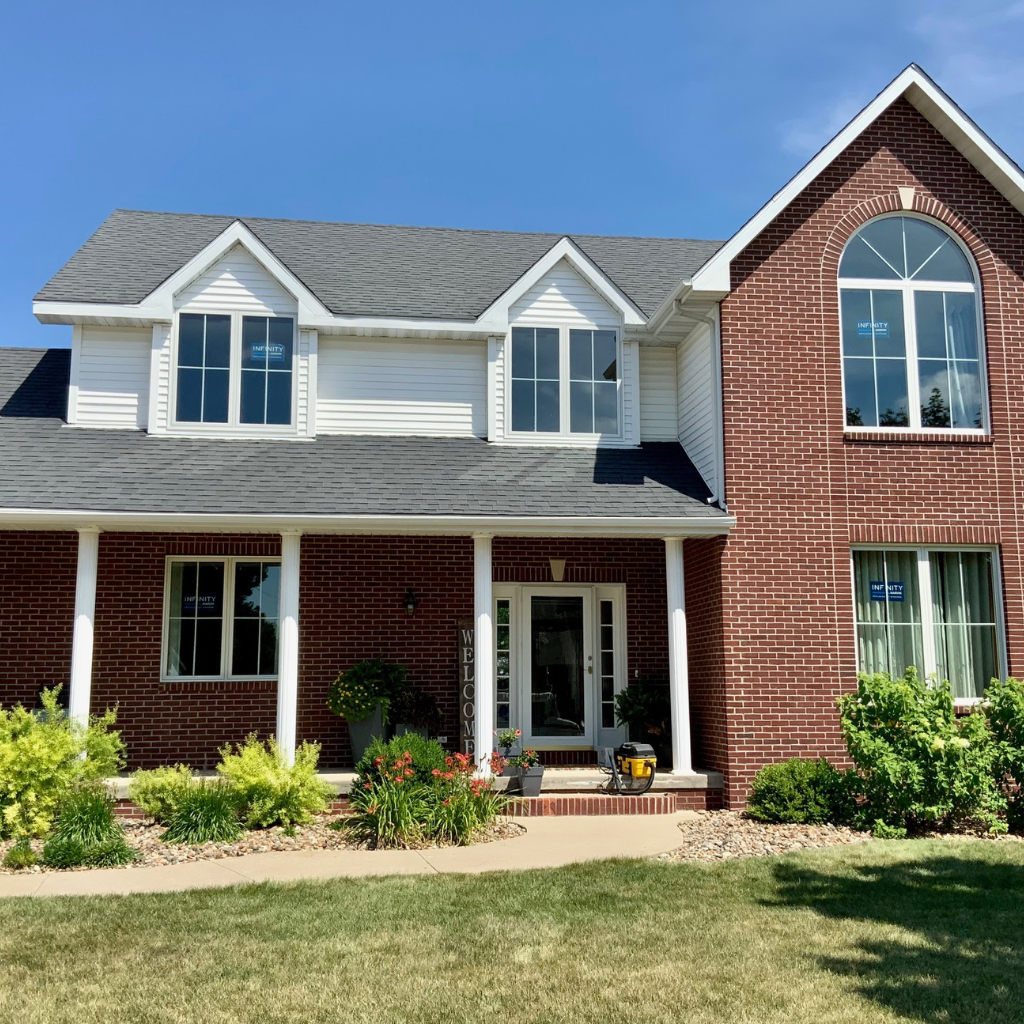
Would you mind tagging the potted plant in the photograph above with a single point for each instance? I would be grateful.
(508, 740)
(645, 709)
(362, 695)
(415, 710)
(529, 772)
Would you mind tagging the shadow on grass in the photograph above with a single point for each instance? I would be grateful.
(951, 942)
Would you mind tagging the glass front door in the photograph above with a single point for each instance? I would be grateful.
(560, 666)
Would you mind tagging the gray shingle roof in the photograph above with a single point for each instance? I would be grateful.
(365, 269)
(46, 465)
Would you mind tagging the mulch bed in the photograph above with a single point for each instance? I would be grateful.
(144, 835)
(728, 835)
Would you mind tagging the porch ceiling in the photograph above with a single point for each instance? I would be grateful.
(360, 482)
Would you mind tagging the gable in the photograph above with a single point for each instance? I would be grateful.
(561, 296)
(237, 281)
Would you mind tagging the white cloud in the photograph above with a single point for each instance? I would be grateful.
(806, 135)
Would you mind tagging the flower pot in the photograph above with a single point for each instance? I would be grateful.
(364, 732)
(403, 728)
(530, 780)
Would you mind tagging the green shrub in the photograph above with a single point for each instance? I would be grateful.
(158, 791)
(41, 762)
(1004, 709)
(268, 790)
(20, 856)
(357, 691)
(72, 853)
(204, 813)
(87, 816)
(800, 792)
(394, 806)
(882, 831)
(412, 706)
(920, 766)
(425, 755)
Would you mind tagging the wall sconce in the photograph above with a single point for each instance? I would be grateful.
(557, 569)
(410, 601)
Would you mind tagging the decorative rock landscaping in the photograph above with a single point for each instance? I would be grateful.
(727, 835)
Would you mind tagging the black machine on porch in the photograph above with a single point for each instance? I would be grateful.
(631, 767)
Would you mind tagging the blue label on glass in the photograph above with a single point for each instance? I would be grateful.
(272, 352)
(881, 328)
(879, 593)
(204, 602)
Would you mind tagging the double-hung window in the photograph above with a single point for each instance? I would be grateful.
(911, 329)
(565, 381)
(221, 618)
(933, 609)
(234, 370)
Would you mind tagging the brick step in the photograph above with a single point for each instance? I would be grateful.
(594, 803)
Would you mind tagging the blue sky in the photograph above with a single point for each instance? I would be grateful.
(646, 118)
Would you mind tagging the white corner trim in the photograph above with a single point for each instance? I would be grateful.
(565, 249)
(76, 362)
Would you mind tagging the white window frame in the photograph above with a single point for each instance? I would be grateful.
(234, 427)
(518, 594)
(908, 288)
(227, 621)
(924, 579)
(564, 434)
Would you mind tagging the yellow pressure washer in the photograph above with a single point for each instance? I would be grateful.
(632, 768)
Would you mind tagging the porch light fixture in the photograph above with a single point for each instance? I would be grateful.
(410, 601)
(557, 569)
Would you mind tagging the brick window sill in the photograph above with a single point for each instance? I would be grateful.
(903, 437)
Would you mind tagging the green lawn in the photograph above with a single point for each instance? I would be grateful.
(924, 931)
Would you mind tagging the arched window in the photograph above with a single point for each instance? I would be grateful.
(912, 346)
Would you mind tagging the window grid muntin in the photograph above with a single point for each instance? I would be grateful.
(263, 620)
(606, 668)
(534, 380)
(909, 286)
(227, 606)
(205, 369)
(249, 373)
(564, 430)
(503, 663)
(926, 612)
(233, 424)
(590, 337)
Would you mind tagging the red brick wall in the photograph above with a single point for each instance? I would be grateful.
(176, 721)
(801, 491)
(37, 608)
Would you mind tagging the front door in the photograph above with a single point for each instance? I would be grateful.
(557, 698)
(560, 658)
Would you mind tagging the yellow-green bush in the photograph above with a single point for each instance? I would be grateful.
(43, 758)
(268, 790)
(158, 791)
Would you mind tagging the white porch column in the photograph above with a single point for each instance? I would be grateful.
(483, 642)
(288, 653)
(85, 611)
(678, 668)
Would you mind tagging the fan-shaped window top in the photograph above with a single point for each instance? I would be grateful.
(904, 248)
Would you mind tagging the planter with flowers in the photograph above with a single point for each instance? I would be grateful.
(362, 695)
(529, 772)
(508, 741)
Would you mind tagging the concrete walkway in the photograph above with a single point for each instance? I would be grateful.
(548, 843)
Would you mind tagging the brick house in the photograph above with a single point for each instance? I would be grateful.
(746, 468)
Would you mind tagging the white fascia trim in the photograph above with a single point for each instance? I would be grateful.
(959, 130)
(507, 526)
(234, 234)
(565, 249)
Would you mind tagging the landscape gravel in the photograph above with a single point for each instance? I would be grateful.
(727, 835)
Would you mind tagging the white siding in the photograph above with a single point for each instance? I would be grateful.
(237, 281)
(402, 387)
(659, 396)
(113, 377)
(160, 357)
(697, 421)
(563, 297)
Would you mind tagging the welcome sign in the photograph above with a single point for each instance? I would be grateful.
(467, 684)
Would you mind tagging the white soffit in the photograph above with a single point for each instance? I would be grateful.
(922, 93)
